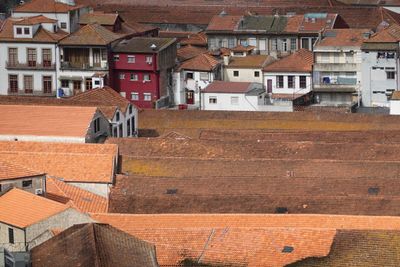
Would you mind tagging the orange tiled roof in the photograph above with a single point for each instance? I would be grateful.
(21, 209)
(91, 34)
(224, 23)
(46, 6)
(342, 37)
(390, 34)
(304, 23)
(252, 61)
(301, 61)
(70, 162)
(41, 35)
(241, 238)
(202, 62)
(80, 199)
(241, 48)
(197, 39)
(45, 120)
(189, 51)
(99, 18)
(35, 20)
(10, 170)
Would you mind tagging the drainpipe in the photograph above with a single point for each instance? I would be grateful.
(55, 63)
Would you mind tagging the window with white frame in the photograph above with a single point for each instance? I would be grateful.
(303, 81)
(390, 75)
(256, 74)
(147, 96)
(134, 77)
(134, 96)
(149, 59)
(234, 100)
(122, 76)
(235, 73)
(63, 25)
(274, 44)
(116, 57)
(212, 100)
(293, 43)
(146, 77)
(131, 59)
(204, 76)
(231, 42)
(284, 45)
(279, 81)
(290, 81)
(253, 41)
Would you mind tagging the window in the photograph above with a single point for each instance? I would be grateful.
(204, 76)
(122, 76)
(31, 52)
(284, 45)
(115, 132)
(128, 128)
(116, 57)
(231, 42)
(149, 59)
(256, 74)
(243, 42)
(189, 75)
(97, 125)
(28, 84)
(46, 57)
(279, 81)
(274, 44)
(13, 83)
(147, 96)
(135, 96)
(19, 30)
(131, 59)
(63, 25)
(134, 77)
(390, 75)
(303, 81)
(291, 81)
(120, 130)
(130, 109)
(64, 83)
(305, 43)
(47, 84)
(146, 77)
(96, 82)
(293, 43)
(212, 100)
(117, 117)
(12, 56)
(27, 31)
(252, 41)
(234, 100)
(235, 73)
(89, 84)
(10, 235)
(27, 184)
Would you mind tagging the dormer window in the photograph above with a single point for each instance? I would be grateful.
(19, 30)
(26, 31)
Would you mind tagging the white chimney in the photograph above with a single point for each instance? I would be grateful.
(226, 60)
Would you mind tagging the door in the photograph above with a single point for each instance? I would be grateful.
(269, 86)
(190, 97)
(77, 87)
(96, 57)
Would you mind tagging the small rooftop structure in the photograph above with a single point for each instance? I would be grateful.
(233, 87)
(146, 45)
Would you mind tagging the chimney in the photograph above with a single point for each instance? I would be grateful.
(226, 60)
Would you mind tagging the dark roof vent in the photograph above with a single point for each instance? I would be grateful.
(281, 210)
(172, 191)
(287, 249)
(373, 191)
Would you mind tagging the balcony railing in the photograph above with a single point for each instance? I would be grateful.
(83, 66)
(30, 66)
(30, 92)
(336, 66)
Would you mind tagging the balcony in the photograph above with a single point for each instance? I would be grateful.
(103, 66)
(32, 65)
(29, 92)
(339, 67)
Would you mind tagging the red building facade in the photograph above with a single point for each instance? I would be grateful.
(142, 70)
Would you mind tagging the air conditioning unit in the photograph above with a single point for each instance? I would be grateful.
(39, 191)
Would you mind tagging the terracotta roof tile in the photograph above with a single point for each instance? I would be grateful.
(224, 23)
(94, 245)
(41, 35)
(202, 62)
(46, 6)
(21, 209)
(100, 18)
(241, 48)
(241, 238)
(301, 61)
(70, 162)
(45, 120)
(10, 170)
(227, 87)
(35, 20)
(252, 61)
(343, 37)
(188, 51)
(143, 45)
(390, 34)
(310, 22)
(80, 199)
(197, 39)
(91, 34)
